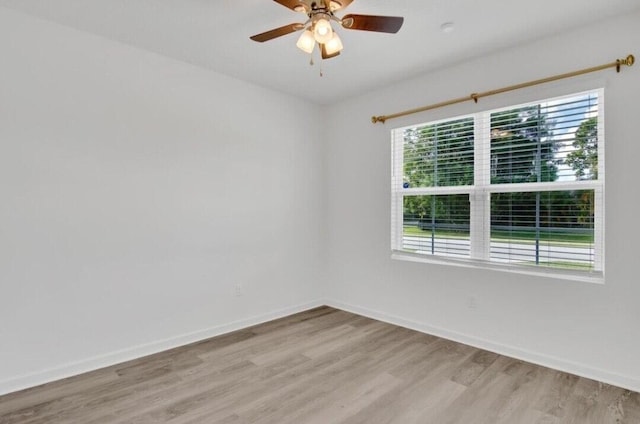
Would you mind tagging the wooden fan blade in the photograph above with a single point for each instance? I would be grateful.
(278, 32)
(295, 5)
(325, 55)
(390, 24)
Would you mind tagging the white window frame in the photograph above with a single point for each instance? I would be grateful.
(480, 195)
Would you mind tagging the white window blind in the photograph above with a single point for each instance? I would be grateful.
(521, 186)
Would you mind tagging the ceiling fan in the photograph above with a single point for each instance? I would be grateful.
(317, 28)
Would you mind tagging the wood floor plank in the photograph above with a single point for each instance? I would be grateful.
(323, 366)
(425, 392)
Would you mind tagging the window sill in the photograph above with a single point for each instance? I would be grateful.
(587, 277)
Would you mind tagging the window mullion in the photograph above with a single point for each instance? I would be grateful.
(479, 197)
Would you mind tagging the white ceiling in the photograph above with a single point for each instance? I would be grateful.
(215, 34)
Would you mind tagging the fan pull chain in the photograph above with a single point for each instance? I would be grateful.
(311, 62)
(320, 60)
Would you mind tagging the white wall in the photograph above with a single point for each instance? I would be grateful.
(585, 328)
(135, 193)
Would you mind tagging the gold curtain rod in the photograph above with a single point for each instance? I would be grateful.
(475, 96)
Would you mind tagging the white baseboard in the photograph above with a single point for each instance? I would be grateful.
(90, 364)
(101, 361)
(544, 360)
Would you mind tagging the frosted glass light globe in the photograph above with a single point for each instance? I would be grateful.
(322, 31)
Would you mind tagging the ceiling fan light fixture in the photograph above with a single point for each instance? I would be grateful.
(317, 29)
(306, 42)
(334, 45)
(322, 31)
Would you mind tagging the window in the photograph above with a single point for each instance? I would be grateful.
(519, 188)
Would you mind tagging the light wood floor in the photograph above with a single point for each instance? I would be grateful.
(324, 366)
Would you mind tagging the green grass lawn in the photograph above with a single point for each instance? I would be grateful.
(583, 266)
(520, 236)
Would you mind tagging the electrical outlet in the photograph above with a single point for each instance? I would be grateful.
(238, 289)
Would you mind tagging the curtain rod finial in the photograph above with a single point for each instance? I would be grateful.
(630, 60)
